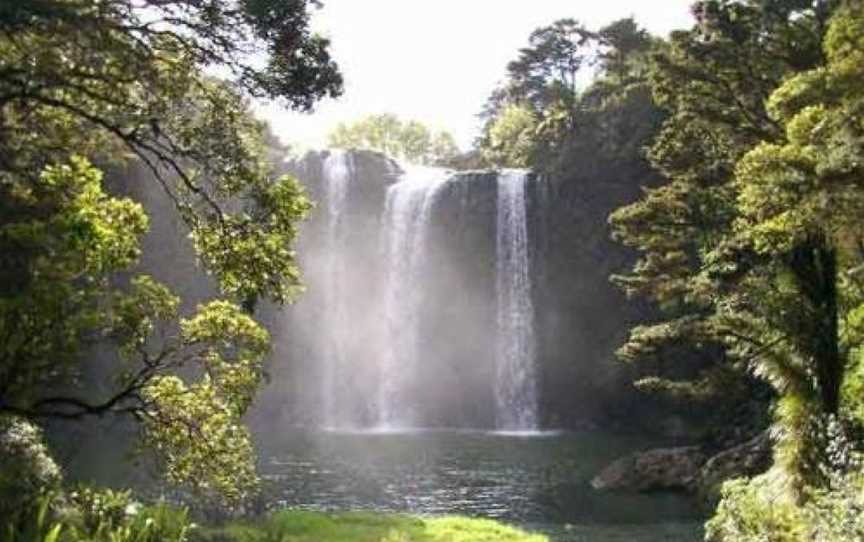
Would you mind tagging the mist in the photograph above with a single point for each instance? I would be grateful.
(413, 316)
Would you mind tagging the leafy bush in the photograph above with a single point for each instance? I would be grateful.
(27, 471)
(754, 511)
(101, 508)
(837, 513)
(97, 516)
(747, 513)
(161, 523)
(32, 525)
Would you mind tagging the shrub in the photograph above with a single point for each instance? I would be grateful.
(27, 471)
(750, 512)
(97, 516)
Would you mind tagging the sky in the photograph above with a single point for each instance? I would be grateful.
(437, 61)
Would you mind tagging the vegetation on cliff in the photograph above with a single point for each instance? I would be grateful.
(409, 140)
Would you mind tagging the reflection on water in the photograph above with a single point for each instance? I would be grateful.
(540, 480)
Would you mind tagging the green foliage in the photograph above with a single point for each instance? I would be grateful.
(195, 427)
(761, 510)
(714, 81)
(32, 524)
(746, 514)
(546, 71)
(98, 516)
(27, 471)
(75, 237)
(511, 137)
(106, 82)
(799, 204)
(838, 513)
(755, 244)
(63, 237)
(160, 523)
(100, 509)
(289, 526)
(386, 133)
(539, 119)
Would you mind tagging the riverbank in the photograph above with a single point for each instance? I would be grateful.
(297, 526)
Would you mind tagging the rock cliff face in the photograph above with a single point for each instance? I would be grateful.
(579, 317)
(457, 323)
(332, 348)
(687, 468)
(582, 317)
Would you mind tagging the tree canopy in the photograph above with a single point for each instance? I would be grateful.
(84, 83)
(549, 101)
(713, 81)
(753, 245)
(408, 140)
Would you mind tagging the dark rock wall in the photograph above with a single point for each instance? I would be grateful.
(457, 332)
(580, 317)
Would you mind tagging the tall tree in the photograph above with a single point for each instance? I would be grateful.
(129, 74)
(85, 82)
(543, 84)
(512, 137)
(713, 81)
(546, 72)
(790, 285)
(788, 273)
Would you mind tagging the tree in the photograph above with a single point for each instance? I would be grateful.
(129, 74)
(511, 137)
(444, 148)
(546, 72)
(543, 82)
(84, 83)
(620, 43)
(792, 291)
(412, 140)
(76, 237)
(789, 276)
(713, 81)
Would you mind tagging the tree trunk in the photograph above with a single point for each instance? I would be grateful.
(814, 264)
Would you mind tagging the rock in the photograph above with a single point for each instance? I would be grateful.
(743, 460)
(686, 469)
(653, 470)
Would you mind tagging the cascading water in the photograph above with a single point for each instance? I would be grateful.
(516, 373)
(337, 172)
(438, 329)
(405, 226)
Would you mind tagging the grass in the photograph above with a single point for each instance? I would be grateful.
(295, 526)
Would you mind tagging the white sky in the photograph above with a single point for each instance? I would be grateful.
(437, 61)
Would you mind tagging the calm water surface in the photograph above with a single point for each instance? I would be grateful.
(536, 481)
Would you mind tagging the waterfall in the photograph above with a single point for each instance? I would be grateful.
(419, 310)
(336, 174)
(405, 225)
(516, 373)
